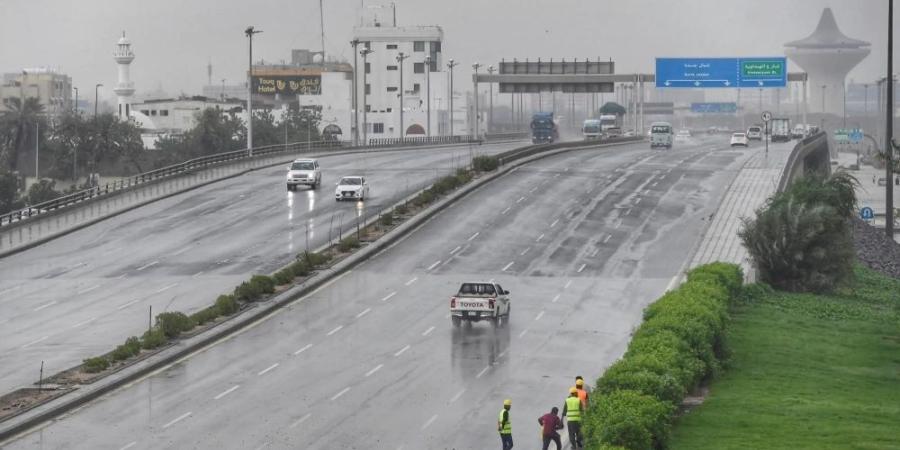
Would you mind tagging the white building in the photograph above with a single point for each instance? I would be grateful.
(125, 87)
(175, 116)
(379, 94)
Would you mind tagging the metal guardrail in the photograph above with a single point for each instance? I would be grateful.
(527, 151)
(15, 217)
(796, 152)
(512, 135)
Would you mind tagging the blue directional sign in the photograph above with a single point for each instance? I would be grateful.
(721, 72)
(855, 135)
(714, 108)
(866, 213)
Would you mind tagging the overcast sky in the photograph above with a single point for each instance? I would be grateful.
(174, 40)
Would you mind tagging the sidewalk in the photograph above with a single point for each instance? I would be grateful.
(754, 183)
(870, 193)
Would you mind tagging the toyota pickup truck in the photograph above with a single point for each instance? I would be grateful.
(479, 301)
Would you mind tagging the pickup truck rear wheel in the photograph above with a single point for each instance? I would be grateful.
(456, 321)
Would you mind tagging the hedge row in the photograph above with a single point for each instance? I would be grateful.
(485, 163)
(442, 186)
(680, 343)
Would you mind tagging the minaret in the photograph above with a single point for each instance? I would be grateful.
(827, 55)
(125, 88)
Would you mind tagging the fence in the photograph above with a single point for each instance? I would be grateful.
(812, 151)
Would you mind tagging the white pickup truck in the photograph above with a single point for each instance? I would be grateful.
(480, 301)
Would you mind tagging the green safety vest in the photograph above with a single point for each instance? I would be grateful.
(507, 427)
(573, 409)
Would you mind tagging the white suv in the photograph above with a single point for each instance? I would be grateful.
(305, 172)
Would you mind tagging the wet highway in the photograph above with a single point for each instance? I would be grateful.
(583, 240)
(84, 293)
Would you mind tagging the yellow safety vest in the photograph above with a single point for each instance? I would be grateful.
(506, 427)
(573, 409)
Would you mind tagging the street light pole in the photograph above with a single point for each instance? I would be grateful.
(823, 97)
(249, 32)
(400, 58)
(96, 88)
(354, 94)
(475, 80)
(844, 90)
(888, 132)
(365, 53)
(490, 122)
(37, 150)
(76, 100)
(450, 66)
(428, 95)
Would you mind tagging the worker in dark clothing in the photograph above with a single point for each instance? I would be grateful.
(504, 426)
(573, 411)
(550, 423)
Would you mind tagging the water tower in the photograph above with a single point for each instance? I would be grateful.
(827, 55)
(125, 87)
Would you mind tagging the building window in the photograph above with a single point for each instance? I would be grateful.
(389, 110)
(416, 87)
(164, 112)
(391, 67)
(419, 67)
(378, 128)
(368, 67)
(433, 65)
(368, 88)
(145, 112)
(367, 45)
(392, 46)
(435, 46)
(419, 46)
(392, 88)
(368, 108)
(153, 112)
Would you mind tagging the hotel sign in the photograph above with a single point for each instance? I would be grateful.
(287, 85)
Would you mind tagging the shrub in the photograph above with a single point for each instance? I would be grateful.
(226, 304)
(628, 419)
(174, 323)
(636, 375)
(424, 198)
(299, 268)
(245, 292)
(283, 276)
(314, 260)
(387, 219)
(485, 163)
(95, 364)
(837, 190)
(42, 191)
(153, 338)
(661, 351)
(401, 210)
(348, 243)
(207, 314)
(263, 284)
(729, 275)
(131, 347)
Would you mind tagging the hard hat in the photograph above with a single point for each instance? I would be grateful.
(507, 402)
(573, 390)
(579, 382)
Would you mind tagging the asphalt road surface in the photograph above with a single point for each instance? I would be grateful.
(583, 240)
(84, 293)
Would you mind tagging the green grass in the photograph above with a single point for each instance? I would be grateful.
(807, 372)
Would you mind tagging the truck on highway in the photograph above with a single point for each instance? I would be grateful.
(661, 135)
(543, 128)
(780, 129)
(591, 129)
(477, 301)
(610, 125)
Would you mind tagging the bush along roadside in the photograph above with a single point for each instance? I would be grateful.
(172, 325)
(679, 345)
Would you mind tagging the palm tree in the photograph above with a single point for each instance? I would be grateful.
(15, 126)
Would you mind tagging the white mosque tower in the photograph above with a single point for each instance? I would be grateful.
(827, 55)
(125, 88)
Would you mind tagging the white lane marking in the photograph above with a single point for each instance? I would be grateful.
(524, 251)
(10, 289)
(533, 189)
(557, 175)
(85, 291)
(654, 184)
(364, 312)
(121, 307)
(455, 249)
(430, 421)
(457, 396)
(617, 225)
(227, 391)
(520, 200)
(503, 353)
(555, 299)
(163, 289)
(339, 394)
(554, 223)
(301, 420)
(413, 280)
(539, 238)
(268, 369)
(46, 305)
(581, 268)
(388, 297)
(264, 445)
(151, 264)
(435, 264)
(129, 445)
(84, 322)
(428, 331)
(523, 332)
(305, 348)
(508, 266)
(607, 239)
(638, 201)
(474, 235)
(506, 210)
(35, 341)
(594, 252)
(177, 419)
(540, 314)
(402, 350)
(197, 274)
(335, 330)
(628, 212)
(662, 177)
(483, 371)
(376, 369)
(568, 283)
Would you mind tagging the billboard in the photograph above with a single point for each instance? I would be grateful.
(715, 107)
(287, 85)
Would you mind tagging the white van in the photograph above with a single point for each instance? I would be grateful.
(661, 135)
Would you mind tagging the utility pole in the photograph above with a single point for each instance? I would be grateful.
(354, 95)
(475, 79)
(889, 129)
(96, 88)
(428, 94)
(450, 66)
(76, 100)
(365, 53)
(249, 32)
(490, 122)
(400, 58)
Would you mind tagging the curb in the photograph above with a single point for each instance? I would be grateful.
(261, 310)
